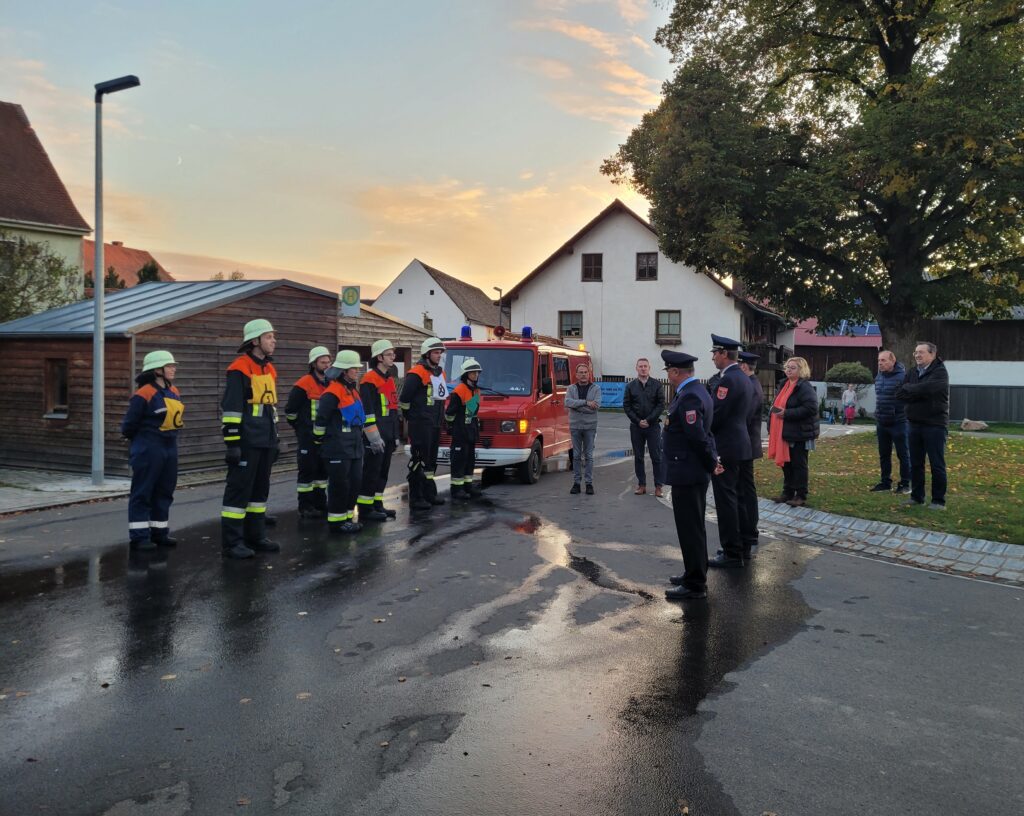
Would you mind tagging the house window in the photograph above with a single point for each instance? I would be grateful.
(570, 324)
(561, 371)
(592, 266)
(56, 373)
(399, 291)
(431, 291)
(428, 322)
(667, 326)
(646, 266)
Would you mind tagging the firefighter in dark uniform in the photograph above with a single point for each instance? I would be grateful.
(249, 412)
(422, 401)
(300, 411)
(339, 425)
(380, 401)
(464, 426)
(731, 401)
(151, 422)
(749, 516)
(689, 460)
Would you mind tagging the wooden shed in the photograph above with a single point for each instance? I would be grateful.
(46, 402)
(360, 333)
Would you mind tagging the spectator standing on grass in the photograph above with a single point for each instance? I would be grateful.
(849, 404)
(793, 427)
(926, 394)
(582, 401)
(891, 423)
(643, 404)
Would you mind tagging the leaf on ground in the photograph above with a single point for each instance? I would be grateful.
(245, 700)
(380, 620)
(303, 614)
(243, 801)
(169, 677)
(385, 744)
(401, 679)
(303, 695)
(22, 693)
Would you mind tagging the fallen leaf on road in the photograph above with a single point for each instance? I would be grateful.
(385, 744)
(169, 677)
(21, 693)
(401, 679)
(302, 614)
(492, 563)
(380, 620)
(337, 651)
(243, 801)
(104, 685)
(303, 695)
(245, 700)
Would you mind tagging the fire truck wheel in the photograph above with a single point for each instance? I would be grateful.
(529, 471)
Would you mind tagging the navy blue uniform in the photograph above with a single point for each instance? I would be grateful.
(747, 489)
(151, 422)
(731, 399)
(690, 457)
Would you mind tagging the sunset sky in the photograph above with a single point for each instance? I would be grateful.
(335, 141)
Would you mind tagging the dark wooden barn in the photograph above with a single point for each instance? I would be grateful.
(46, 401)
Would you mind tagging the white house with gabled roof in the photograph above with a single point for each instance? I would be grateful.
(611, 289)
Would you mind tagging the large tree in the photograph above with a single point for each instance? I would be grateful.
(33, 278)
(843, 158)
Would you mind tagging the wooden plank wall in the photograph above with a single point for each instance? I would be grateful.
(29, 440)
(205, 344)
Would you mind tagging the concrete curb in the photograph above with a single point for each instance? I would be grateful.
(944, 552)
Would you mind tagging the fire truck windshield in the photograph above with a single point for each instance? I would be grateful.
(506, 371)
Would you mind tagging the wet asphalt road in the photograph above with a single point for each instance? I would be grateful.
(514, 656)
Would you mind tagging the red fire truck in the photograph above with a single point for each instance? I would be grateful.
(522, 392)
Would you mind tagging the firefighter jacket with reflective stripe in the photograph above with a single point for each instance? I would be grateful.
(300, 410)
(154, 413)
(463, 423)
(339, 422)
(417, 400)
(249, 406)
(380, 400)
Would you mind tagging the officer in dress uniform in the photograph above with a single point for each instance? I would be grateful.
(300, 411)
(151, 423)
(749, 516)
(380, 401)
(731, 400)
(422, 401)
(249, 416)
(689, 460)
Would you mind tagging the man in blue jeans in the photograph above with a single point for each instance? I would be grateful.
(926, 393)
(582, 401)
(891, 423)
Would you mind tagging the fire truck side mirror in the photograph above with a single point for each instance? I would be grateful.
(545, 386)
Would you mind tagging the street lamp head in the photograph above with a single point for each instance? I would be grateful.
(115, 85)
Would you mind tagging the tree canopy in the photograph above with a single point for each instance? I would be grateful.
(33, 278)
(843, 158)
(149, 272)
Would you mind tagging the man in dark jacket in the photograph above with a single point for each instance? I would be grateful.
(891, 423)
(731, 405)
(747, 489)
(643, 403)
(926, 393)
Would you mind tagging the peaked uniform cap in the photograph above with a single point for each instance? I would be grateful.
(255, 329)
(719, 343)
(347, 359)
(157, 359)
(317, 352)
(431, 344)
(380, 347)
(677, 359)
(471, 365)
(749, 357)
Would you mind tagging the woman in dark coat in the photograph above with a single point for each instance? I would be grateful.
(793, 429)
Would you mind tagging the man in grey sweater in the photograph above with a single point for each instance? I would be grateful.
(582, 401)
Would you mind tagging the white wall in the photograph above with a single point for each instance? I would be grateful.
(618, 313)
(415, 299)
(985, 372)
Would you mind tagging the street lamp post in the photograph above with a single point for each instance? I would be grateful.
(98, 275)
(501, 319)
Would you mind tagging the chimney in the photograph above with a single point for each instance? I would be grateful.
(117, 243)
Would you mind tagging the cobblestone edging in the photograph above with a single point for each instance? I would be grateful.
(973, 557)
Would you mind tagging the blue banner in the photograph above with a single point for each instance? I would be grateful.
(612, 393)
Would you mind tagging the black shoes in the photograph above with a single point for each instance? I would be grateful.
(436, 501)
(166, 541)
(575, 489)
(372, 514)
(881, 487)
(675, 580)
(724, 562)
(264, 545)
(142, 545)
(312, 513)
(590, 490)
(680, 593)
(903, 488)
(239, 551)
(420, 505)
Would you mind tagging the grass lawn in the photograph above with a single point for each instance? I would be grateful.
(983, 501)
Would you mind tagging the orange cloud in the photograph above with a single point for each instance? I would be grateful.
(595, 38)
(632, 11)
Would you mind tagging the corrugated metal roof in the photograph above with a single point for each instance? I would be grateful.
(144, 307)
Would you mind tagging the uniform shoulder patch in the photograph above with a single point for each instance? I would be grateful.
(691, 417)
(723, 392)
